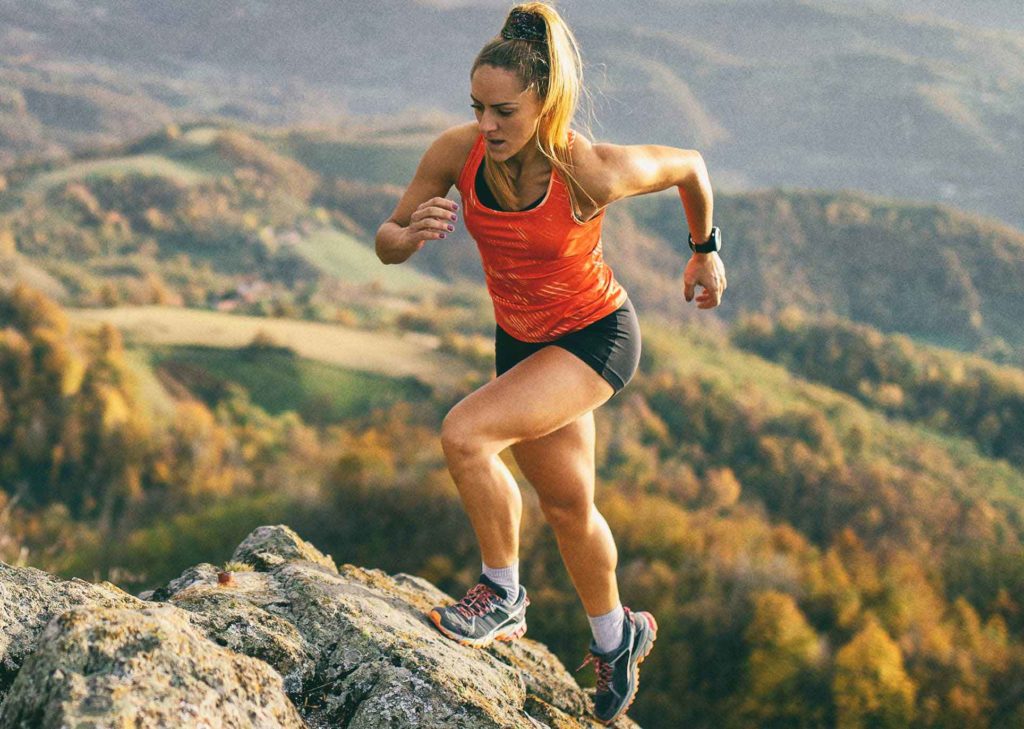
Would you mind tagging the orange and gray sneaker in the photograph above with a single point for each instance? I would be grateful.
(618, 672)
(483, 616)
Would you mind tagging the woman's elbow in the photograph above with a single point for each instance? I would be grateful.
(695, 171)
(381, 244)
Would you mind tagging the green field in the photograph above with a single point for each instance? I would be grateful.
(363, 161)
(343, 256)
(391, 354)
(280, 381)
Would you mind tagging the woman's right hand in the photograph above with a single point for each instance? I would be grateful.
(433, 219)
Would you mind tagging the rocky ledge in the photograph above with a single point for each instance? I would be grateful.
(286, 639)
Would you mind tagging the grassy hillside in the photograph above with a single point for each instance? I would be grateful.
(342, 255)
(142, 164)
(966, 396)
(205, 217)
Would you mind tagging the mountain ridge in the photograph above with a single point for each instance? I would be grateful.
(874, 90)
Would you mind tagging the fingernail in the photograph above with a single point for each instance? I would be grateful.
(456, 205)
(443, 235)
(451, 227)
(454, 218)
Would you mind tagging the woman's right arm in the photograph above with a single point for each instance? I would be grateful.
(423, 213)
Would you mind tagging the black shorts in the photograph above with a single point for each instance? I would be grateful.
(610, 345)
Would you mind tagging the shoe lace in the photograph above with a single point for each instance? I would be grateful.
(477, 601)
(602, 668)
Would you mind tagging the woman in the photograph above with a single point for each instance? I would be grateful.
(534, 195)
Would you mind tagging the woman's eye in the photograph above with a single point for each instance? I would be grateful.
(480, 109)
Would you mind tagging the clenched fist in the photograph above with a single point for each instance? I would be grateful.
(708, 271)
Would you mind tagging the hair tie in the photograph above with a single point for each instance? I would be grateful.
(523, 25)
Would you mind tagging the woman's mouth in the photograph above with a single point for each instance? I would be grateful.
(495, 142)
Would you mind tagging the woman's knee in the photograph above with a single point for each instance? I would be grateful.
(568, 516)
(460, 439)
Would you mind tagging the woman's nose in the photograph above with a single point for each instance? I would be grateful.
(487, 123)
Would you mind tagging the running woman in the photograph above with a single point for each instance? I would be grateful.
(534, 195)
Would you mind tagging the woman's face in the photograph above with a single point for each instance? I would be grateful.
(507, 115)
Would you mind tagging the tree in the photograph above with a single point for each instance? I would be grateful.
(784, 671)
(870, 687)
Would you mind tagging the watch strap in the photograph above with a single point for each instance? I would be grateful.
(711, 245)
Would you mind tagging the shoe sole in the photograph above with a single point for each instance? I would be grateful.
(648, 646)
(518, 632)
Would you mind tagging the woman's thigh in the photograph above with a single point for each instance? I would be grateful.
(546, 391)
(560, 465)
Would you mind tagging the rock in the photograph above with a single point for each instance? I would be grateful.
(295, 641)
(270, 545)
(30, 598)
(119, 667)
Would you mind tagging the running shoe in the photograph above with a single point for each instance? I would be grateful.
(618, 672)
(483, 616)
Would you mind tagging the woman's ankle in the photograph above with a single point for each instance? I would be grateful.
(506, 577)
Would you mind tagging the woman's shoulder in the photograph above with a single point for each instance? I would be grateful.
(454, 145)
(585, 152)
(466, 133)
(588, 164)
(580, 146)
(459, 140)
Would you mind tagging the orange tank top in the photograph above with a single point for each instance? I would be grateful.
(544, 269)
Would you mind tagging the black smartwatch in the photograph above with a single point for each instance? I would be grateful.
(712, 245)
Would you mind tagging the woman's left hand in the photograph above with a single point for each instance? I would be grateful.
(708, 271)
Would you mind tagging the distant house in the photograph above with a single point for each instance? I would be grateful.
(247, 291)
(289, 238)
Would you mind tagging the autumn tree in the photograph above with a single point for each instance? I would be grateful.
(871, 687)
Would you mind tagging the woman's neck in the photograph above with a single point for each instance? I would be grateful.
(528, 158)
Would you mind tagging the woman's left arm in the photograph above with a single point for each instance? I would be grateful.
(640, 169)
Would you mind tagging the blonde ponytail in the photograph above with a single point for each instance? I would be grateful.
(554, 70)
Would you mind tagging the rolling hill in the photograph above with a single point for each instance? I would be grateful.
(893, 100)
(282, 224)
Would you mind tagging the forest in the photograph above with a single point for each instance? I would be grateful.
(815, 557)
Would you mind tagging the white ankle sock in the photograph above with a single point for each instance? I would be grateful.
(607, 629)
(507, 577)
